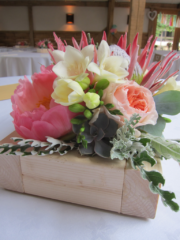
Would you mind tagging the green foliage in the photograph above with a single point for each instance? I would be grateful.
(115, 112)
(168, 102)
(76, 121)
(139, 150)
(100, 93)
(166, 148)
(76, 108)
(155, 129)
(92, 90)
(25, 146)
(102, 84)
(164, 27)
(109, 105)
(125, 145)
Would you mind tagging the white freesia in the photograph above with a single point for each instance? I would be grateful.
(112, 68)
(74, 62)
(67, 92)
(58, 55)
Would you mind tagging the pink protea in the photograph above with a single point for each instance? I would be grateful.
(35, 113)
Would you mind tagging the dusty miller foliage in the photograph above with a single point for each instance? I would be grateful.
(126, 145)
(139, 150)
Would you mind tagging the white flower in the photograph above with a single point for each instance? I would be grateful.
(112, 68)
(67, 92)
(58, 55)
(74, 62)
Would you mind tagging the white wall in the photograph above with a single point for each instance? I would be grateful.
(14, 19)
(85, 18)
(120, 19)
(54, 18)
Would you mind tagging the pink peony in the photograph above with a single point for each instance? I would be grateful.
(35, 113)
(132, 98)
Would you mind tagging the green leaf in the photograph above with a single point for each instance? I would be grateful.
(154, 177)
(144, 141)
(166, 148)
(155, 129)
(102, 84)
(115, 112)
(109, 105)
(76, 108)
(168, 102)
(173, 205)
(144, 157)
(100, 93)
(76, 121)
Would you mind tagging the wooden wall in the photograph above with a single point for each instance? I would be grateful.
(10, 38)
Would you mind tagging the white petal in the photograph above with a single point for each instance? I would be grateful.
(74, 97)
(58, 55)
(109, 76)
(125, 63)
(121, 73)
(76, 87)
(73, 55)
(88, 51)
(60, 69)
(113, 62)
(103, 51)
(93, 67)
(81, 76)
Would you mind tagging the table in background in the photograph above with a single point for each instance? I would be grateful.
(16, 63)
(26, 217)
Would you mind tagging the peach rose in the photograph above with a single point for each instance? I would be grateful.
(131, 98)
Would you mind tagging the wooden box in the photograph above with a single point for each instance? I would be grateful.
(90, 181)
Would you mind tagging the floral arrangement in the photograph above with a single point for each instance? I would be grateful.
(22, 43)
(100, 100)
(45, 44)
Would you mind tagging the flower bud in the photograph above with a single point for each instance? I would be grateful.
(92, 100)
(88, 114)
(76, 108)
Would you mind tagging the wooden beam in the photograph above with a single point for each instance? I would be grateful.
(111, 5)
(54, 3)
(122, 4)
(31, 29)
(136, 20)
(161, 6)
(176, 39)
(152, 28)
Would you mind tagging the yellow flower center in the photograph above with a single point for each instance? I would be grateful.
(45, 102)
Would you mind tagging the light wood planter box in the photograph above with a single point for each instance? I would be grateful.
(89, 181)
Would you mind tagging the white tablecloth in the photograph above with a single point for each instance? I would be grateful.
(25, 217)
(16, 63)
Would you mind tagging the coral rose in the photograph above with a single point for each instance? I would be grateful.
(34, 111)
(132, 98)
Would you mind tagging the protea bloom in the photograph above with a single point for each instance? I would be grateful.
(34, 111)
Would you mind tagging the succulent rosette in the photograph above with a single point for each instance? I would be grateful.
(94, 98)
